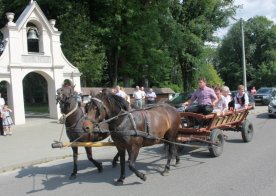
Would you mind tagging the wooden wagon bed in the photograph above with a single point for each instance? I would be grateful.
(208, 128)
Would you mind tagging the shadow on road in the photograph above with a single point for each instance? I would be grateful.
(56, 175)
(262, 116)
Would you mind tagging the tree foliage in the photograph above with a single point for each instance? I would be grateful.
(129, 41)
(196, 21)
(260, 52)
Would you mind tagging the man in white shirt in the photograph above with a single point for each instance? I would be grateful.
(138, 97)
(143, 96)
(151, 96)
(120, 93)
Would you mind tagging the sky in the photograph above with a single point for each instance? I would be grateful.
(251, 8)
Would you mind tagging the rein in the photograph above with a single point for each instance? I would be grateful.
(64, 116)
(136, 132)
(63, 119)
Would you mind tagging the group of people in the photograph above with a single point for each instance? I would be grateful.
(5, 118)
(141, 98)
(217, 100)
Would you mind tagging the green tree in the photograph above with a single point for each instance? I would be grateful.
(80, 44)
(260, 51)
(130, 33)
(196, 22)
(127, 41)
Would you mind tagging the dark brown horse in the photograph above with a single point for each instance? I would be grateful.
(131, 130)
(74, 119)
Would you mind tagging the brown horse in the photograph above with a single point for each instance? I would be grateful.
(131, 130)
(74, 119)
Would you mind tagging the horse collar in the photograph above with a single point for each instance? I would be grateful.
(64, 116)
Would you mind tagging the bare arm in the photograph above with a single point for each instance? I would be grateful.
(186, 103)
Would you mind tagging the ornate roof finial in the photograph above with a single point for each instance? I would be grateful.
(31, 1)
(10, 17)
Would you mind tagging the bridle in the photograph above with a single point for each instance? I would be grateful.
(101, 113)
(64, 102)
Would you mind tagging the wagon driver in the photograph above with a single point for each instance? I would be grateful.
(206, 99)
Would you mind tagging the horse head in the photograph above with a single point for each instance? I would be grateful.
(103, 106)
(67, 99)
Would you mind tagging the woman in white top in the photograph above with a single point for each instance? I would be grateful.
(227, 94)
(221, 106)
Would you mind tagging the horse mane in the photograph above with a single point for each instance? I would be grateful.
(114, 99)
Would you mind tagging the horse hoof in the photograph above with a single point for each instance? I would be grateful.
(100, 168)
(119, 182)
(143, 177)
(73, 177)
(164, 172)
(114, 164)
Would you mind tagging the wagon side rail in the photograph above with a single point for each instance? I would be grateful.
(213, 120)
(200, 130)
(229, 119)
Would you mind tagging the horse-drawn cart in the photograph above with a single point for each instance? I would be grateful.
(209, 128)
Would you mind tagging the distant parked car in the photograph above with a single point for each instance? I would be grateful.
(272, 107)
(264, 95)
(178, 100)
(85, 99)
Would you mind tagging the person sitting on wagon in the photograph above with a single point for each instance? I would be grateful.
(221, 106)
(241, 99)
(206, 99)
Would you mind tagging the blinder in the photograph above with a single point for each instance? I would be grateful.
(64, 98)
(99, 108)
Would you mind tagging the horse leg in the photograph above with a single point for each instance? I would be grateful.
(170, 154)
(133, 156)
(90, 158)
(115, 160)
(177, 159)
(75, 159)
(122, 153)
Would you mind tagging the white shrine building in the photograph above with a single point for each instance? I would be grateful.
(32, 44)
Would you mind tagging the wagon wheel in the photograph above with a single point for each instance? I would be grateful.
(247, 131)
(217, 137)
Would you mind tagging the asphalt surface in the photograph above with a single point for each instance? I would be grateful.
(30, 143)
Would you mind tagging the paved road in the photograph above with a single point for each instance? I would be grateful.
(31, 144)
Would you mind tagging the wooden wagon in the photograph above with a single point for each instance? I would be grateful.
(209, 128)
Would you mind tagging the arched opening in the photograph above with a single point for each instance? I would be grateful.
(35, 88)
(4, 91)
(33, 37)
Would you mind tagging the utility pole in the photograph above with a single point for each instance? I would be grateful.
(243, 57)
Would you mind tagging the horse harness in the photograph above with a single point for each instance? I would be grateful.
(135, 131)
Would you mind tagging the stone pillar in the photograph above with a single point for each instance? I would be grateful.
(17, 96)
